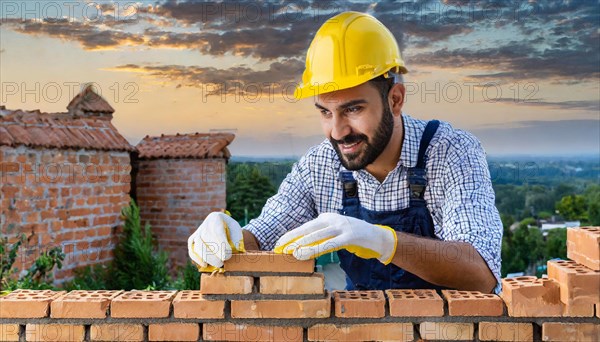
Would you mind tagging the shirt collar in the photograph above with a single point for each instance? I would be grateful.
(410, 143)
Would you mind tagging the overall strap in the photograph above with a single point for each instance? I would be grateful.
(417, 179)
(350, 201)
(349, 184)
(430, 130)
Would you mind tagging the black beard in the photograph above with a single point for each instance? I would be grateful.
(372, 149)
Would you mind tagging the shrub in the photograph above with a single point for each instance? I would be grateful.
(38, 276)
(137, 263)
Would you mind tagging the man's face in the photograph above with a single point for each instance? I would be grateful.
(357, 123)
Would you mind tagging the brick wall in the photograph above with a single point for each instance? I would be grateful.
(67, 198)
(271, 297)
(175, 195)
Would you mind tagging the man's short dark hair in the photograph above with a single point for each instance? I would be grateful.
(383, 85)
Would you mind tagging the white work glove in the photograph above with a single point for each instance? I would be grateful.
(215, 240)
(331, 232)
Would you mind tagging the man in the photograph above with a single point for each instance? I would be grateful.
(406, 203)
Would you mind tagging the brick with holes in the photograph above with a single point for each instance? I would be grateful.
(9, 332)
(27, 303)
(447, 331)
(54, 332)
(263, 261)
(287, 285)
(281, 308)
(116, 332)
(369, 304)
(225, 331)
(505, 331)
(361, 332)
(191, 304)
(407, 303)
(577, 282)
(173, 332)
(532, 297)
(583, 246)
(142, 304)
(83, 304)
(562, 331)
(225, 284)
(473, 303)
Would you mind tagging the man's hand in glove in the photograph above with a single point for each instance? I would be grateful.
(331, 232)
(215, 240)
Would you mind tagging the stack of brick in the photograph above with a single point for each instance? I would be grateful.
(263, 296)
(572, 289)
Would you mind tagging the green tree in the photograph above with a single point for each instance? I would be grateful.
(522, 249)
(539, 198)
(592, 199)
(138, 264)
(572, 207)
(247, 193)
(556, 244)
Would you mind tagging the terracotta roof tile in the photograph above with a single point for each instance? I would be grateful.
(198, 145)
(89, 101)
(59, 130)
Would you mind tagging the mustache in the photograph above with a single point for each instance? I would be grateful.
(350, 139)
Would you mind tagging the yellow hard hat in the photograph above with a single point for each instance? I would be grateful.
(349, 49)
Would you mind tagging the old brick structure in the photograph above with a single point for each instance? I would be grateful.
(64, 178)
(262, 296)
(179, 180)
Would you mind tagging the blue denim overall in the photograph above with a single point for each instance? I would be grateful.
(371, 274)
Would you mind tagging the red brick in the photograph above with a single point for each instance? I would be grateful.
(579, 309)
(359, 304)
(247, 332)
(191, 304)
(9, 332)
(54, 332)
(142, 304)
(310, 308)
(27, 303)
(82, 304)
(583, 246)
(505, 331)
(580, 332)
(174, 332)
(473, 303)
(287, 285)
(532, 297)
(405, 303)
(577, 282)
(446, 331)
(225, 284)
(116, 332)
(268, 262)
(361, 332)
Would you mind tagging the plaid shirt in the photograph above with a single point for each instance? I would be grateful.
(459, 194)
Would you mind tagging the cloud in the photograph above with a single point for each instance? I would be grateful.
(556, 40)
(518, 60)
(90, 36)
(263, 43)
(280, 78)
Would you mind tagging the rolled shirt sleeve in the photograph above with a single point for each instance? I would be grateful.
(469, 212)
(291, 207)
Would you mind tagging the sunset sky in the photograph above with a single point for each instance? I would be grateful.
(524, 76)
